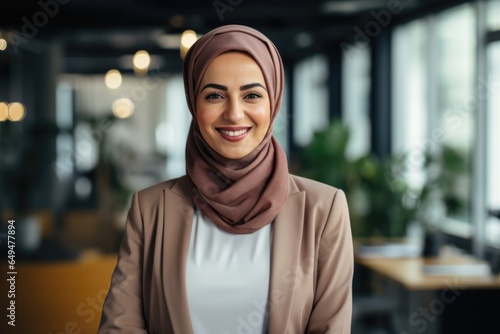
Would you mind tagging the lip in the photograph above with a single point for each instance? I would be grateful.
(233, 129)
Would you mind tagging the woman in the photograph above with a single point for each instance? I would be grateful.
(238, 245)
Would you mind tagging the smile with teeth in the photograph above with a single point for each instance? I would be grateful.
(234, 133)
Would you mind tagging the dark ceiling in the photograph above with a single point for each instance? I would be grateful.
(94, 35)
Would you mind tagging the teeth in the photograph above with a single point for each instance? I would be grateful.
(234, 133)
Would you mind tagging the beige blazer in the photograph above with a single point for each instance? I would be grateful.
(311, 275)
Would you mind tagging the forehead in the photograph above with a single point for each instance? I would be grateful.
(233, 62)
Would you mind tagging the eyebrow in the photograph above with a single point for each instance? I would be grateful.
(224, 88)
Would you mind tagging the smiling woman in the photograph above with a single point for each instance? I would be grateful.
(237, 244)
(232, 108)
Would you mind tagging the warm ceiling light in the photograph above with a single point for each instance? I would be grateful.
(123, 108)
(113, 79)
(3, 44)
(4, 111)
(141, 60)
(16, 111)
(188, 38)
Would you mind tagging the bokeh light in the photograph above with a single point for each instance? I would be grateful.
(113, 79)
(17, 112)
(123, 108)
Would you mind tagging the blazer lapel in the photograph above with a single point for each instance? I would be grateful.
(178, 218)
(286, 241)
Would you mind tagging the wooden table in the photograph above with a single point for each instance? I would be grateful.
(409, 273)
(422, 298)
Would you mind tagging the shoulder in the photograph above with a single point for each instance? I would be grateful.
(320, 198)
(156, 191)
(315, 190)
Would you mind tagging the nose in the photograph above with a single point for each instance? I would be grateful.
(234, 111)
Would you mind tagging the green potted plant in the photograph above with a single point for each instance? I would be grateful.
(440, 195)
(376, 199)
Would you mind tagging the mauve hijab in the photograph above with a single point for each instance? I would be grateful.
(238, 195)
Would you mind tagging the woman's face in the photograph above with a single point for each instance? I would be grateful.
(233, 109)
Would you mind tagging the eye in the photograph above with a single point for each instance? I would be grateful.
(213, 96)
(253, 96)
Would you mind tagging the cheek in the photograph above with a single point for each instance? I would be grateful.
(263, 118)
(203, 116)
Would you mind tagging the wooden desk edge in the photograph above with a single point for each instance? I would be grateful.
(407, 272)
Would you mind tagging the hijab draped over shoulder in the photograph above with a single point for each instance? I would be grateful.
(238, 195)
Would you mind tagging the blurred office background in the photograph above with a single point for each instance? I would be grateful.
(396, 102)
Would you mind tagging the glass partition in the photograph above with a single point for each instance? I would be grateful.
(492, 91)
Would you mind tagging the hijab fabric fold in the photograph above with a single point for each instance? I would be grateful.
(238, 195)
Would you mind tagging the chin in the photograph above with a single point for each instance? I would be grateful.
(232, 154)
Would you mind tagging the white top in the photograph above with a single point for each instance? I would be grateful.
(227, 279)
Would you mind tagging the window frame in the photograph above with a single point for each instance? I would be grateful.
(468, 236)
